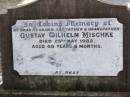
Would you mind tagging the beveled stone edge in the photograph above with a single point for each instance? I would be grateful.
(62, 93)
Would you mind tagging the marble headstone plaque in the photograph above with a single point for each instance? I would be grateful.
(68, 47)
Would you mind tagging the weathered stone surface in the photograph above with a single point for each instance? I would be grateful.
(25, 93)
(64, 9)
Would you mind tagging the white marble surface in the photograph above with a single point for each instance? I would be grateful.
(103, 58)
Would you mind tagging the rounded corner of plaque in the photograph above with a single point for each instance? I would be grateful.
(15, 72)
(118, 21)
(120, 73)
(15, 23)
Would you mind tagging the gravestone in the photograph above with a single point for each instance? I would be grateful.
(60, 45)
